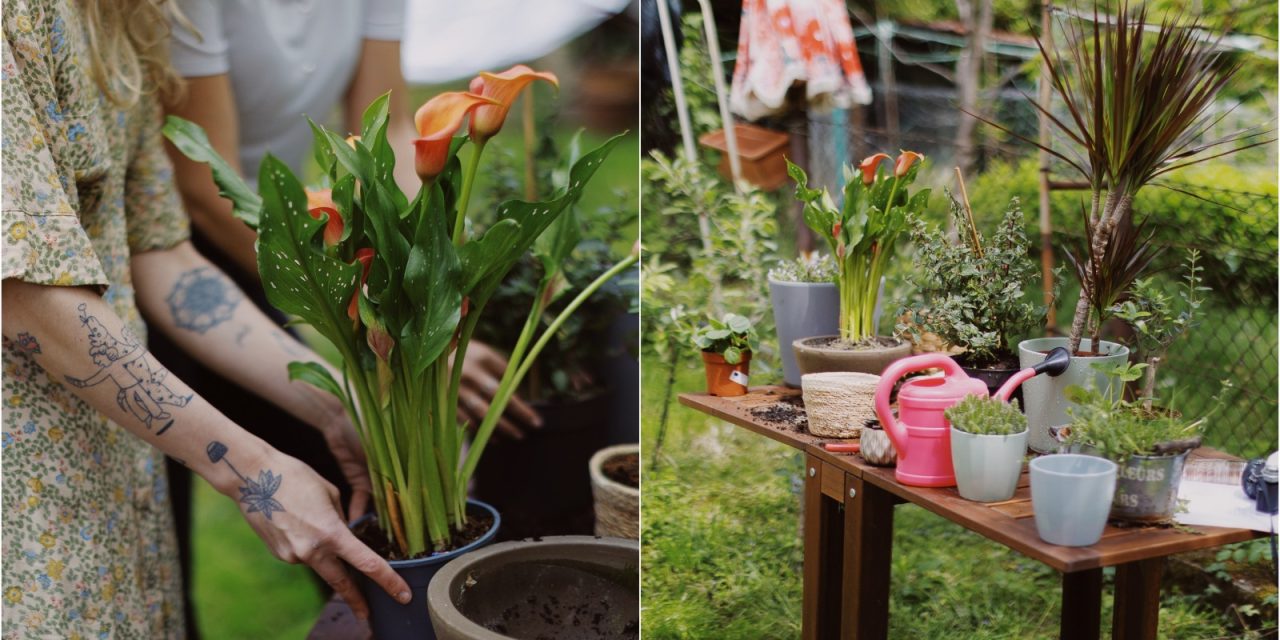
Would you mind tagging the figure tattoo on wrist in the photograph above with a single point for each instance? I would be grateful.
(126, 363)
(202, 299)
(258, 496)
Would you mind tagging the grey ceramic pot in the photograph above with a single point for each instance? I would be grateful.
(1071, 496)
(987, 466)
(1046, 399)
(391, 620)
(538, 589)
(801, 310)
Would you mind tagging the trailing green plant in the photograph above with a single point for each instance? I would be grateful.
(398, 286)
(973, 288)
(863, 231)
(1139, 103)
(1158, 319)
(1118, 428)
(732, 337)
(813, 268)
(986, 416)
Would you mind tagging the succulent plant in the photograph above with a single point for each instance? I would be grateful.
(985, 416)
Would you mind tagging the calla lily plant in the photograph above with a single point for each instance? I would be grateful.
(863, 231)
(398, 286)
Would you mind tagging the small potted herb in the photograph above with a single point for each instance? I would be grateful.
(988, 442)
(1159, 319)
(1150, 447)
(805, 303)
(972, 290)
(726, 351)
(862, 233)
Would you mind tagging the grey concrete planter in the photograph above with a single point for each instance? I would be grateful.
(813, 356)
(1046, 400)
(802, 310)
(538, 589)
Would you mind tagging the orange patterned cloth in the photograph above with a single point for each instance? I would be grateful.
(782, 42)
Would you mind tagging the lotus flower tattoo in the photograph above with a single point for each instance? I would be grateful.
(258, 495)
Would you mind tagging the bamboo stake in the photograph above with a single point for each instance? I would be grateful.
(968, 212)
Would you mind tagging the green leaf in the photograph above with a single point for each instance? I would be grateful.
(300, 279)
(191, 140)
(431, 282)
(314, 374)
(733, 355)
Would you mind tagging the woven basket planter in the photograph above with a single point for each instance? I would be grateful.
(838, 403)
(617, 505)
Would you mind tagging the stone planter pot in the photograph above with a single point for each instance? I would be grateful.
(617, 505)
(987, 466)
(814, 356)
(1071, 496)
(801, 310)
(391, 620)
(556, 587)
(1046, 400)
(838, 403)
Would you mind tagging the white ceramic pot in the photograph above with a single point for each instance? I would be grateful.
(1046, 399)
(987, 466)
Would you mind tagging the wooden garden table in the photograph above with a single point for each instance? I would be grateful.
(848, 538)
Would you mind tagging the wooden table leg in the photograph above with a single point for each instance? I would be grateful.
(823, 531)
(868, 549)
(1137, 610)
(1081, 605)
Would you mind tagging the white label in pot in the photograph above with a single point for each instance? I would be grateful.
(739, 377)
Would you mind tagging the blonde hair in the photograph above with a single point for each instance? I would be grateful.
(129, 48)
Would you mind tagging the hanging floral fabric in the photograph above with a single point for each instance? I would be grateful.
(782, 42)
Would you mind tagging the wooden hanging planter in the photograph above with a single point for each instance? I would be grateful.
(762, 152)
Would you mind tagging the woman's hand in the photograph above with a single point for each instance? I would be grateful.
(298, 514)
(344, 444)
(481, 373)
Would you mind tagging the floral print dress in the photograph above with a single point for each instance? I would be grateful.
(88, 543)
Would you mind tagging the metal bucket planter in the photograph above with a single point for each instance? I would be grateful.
(1046, 400)
(801, 310)
(1147, 487)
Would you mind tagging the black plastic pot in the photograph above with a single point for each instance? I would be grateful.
(568, 588)
(391, 620)
(993, 378)
(542, 484)
(621, 373)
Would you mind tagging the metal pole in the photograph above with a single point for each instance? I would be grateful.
(717, 72)
(677, 84)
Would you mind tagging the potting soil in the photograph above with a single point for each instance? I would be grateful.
(555, 600)
(623, 469)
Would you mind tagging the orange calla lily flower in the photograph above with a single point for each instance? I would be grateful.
(904, 162)
(319, 204)
(365, 258)
(503, 88)
(868, 167)
(437, 120)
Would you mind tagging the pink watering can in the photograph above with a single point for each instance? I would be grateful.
(921, 433)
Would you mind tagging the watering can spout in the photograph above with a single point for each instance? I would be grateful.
(1055, 364)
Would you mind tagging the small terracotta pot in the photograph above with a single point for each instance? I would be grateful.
(724, 379)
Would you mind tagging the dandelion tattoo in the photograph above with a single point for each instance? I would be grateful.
(202, 299)
(126, 363)
(259, 495)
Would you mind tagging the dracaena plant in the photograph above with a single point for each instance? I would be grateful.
(398, 285)
(863, 231)
(1138, 104)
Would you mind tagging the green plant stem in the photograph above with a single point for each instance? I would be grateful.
(468, 181)
(511, 379)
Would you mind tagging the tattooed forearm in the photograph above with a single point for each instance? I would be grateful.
(288, 344)
(202, 299)
(257, 496)
(135, 373)
(242, 334)
(27, 343)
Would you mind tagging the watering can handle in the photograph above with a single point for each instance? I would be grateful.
(896, 432)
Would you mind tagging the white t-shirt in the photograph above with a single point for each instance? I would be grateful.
(286, 58)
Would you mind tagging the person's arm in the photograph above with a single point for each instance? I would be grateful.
(202, 310)
(210, 103)
(377, 73)
(76, 338)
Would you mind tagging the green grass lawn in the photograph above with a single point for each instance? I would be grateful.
(722, 553)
